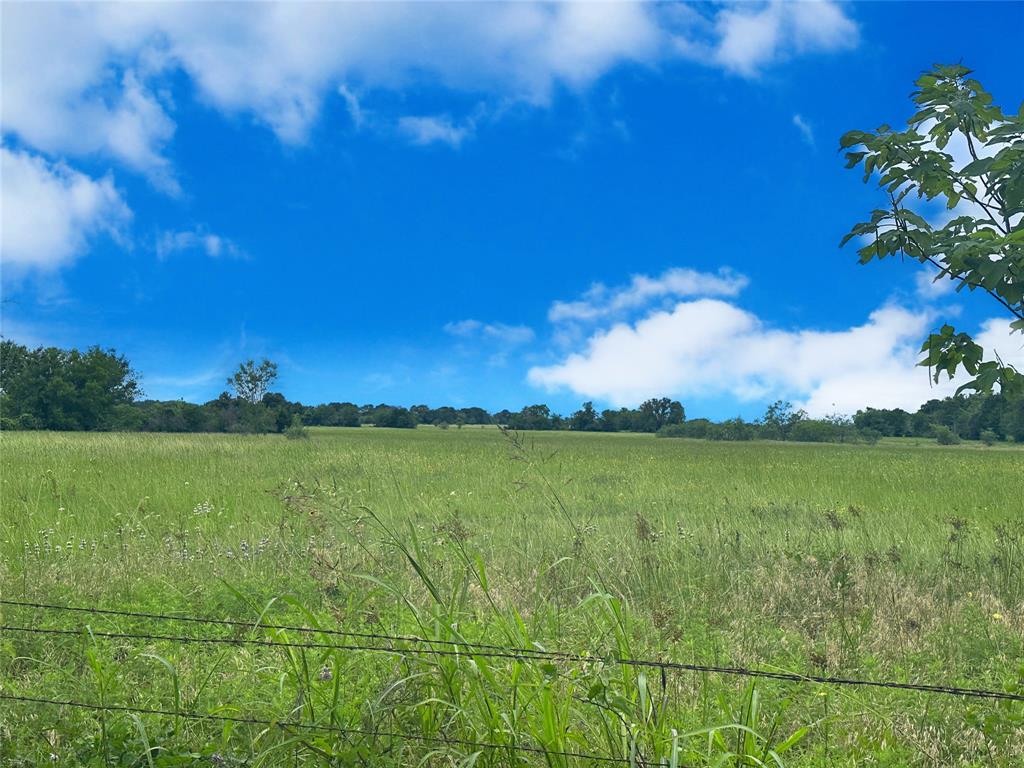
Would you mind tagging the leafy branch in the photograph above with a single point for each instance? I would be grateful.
(982, 246)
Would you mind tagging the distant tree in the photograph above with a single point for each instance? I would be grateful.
(657, 412)
(251, 381)
(475, 415)
(779, 419)
(1012, 423)
(733, 429)
(64, 389)
(816, 431)
(532, 417)
(699, 428)
(894, 422)
(585, 419)
(981, 246)
(333, 415)
(394, 417)
(503, 417)
(672, 430)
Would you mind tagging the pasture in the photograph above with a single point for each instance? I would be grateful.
(895, 562)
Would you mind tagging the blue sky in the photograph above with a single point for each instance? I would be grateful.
(476, 204)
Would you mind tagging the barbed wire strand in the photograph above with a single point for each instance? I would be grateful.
(514, 655)
(285, 627)
(285, 724)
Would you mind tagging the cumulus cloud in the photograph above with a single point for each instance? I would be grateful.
(51, 212)
(199, 239)
(95, 79)
(751, 36)
(511, 335)
(65, 94)
(279, 61)
(711, 347)
(600, 301)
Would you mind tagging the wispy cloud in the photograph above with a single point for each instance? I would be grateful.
(512, 335)
(600, 301)
(355, 109)
(806, 132)
(435, 129)
(199, 239)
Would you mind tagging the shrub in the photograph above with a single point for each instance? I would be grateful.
(944, 435)
(869, 435)
(697, 428)
(988, 437)
(814, 431)
(671, 430)
(296, 430)
(28, 421)
(733, 430)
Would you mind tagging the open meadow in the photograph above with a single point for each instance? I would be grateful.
(893, 562)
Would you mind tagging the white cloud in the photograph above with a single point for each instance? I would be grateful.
(199, 239)
(355, 109)
(72, 85)
(711, 347)
(89, 78)
(752, 36)
(510, 335)
(434, 129)
(50, 211)
(600, 301)
(806, 132)
(996, 335)
(928, 288)
(278, 61)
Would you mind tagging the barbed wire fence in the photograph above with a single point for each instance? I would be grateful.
(404, 645)
(461, 648)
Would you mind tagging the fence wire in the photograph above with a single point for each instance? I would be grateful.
(425, 646)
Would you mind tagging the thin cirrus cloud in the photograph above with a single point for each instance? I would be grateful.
(199, 239)
(509, 335)
(806, 132)
(51, 212)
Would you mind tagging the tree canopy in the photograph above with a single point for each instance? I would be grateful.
(979, 243)
(251, 381)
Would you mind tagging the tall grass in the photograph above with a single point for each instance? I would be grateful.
(889, 561)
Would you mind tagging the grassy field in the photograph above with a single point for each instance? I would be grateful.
(894, 561)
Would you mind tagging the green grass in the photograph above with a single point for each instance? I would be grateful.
(895, 561)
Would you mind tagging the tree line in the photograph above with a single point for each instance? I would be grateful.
(97, 390)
